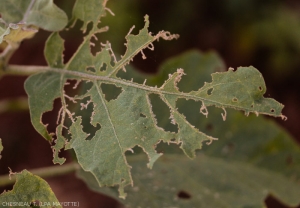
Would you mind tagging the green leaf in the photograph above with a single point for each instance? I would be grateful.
(54, 50)
(42, 90)
(59, 144)
(253, 158)
(246, 89)
(254, 140)
(13, 11)
(85, 12)
(176, 181)
(42, 13)
(128, 120)
(251, 139)
(29, 190)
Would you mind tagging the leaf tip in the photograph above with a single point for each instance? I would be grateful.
(153, 159)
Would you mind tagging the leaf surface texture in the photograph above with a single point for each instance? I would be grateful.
(27, 189)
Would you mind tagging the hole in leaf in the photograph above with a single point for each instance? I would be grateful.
(72, 43)
(143, 115)
(70, 87)
(183, 195)
(234, 99)
(103, 67)
(168, 148)
(209, 91)
(135, 151)
(110, 91)
(91, 69)
(132, 72)
(91, 130)
(190, 112)
(88, 28)
(49, 118)
(77, 88)
(112, 62)
(162, 113)
(85, 114)
(66, 134)
(73, 88)
(94, 45)
(272, 110)
(260, 88)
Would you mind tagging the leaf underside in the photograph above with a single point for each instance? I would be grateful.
(128, 120)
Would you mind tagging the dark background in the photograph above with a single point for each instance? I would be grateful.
(264, 34)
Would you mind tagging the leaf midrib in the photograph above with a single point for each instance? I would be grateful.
(110, 80)
(29, 70)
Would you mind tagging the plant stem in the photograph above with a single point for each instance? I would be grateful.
(45, 172)
(24, 70)
(6, 54)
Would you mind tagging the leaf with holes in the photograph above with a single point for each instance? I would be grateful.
(242, 89)
(248, 163)
(29, 190)
(127, 120)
